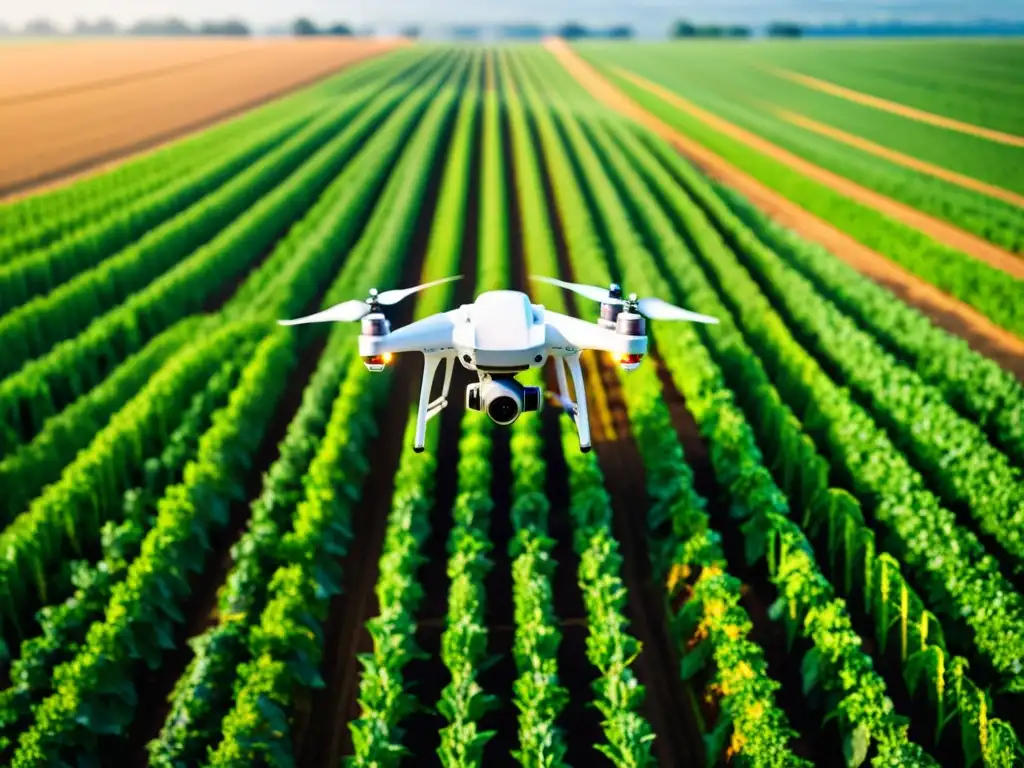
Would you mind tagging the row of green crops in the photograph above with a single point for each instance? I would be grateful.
(63, 626)
(763, 313)
(537, 692)
(757, 725)
(971, 382)
(280, 657)
(384, 697)
(94, 693)
(989, 290)
(70, 513)
(610, 647)
(463, 701)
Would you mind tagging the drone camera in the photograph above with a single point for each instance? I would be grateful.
(503, 399)
(377, 363)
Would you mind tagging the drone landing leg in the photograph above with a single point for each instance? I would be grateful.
(426, 408)
(582, 417)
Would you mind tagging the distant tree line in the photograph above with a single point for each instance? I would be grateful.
(686, 29)
(305, 27)
(105, 27)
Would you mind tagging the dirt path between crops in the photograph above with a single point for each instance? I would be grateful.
(912, 113)
(946, 312)
(941, 231)
(967, 182)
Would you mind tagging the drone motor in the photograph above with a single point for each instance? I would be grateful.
(376, 325)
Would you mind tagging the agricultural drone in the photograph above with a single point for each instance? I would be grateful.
(500, 335)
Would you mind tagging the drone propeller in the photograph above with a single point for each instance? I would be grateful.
(651, 307)
(354, 309)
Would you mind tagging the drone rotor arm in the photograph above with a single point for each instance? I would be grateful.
(431, 334)
(567, 331)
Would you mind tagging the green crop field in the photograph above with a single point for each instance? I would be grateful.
(799, 539)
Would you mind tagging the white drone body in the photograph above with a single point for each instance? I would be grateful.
(499, 336)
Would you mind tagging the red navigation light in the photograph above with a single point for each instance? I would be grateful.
(630, 362)
(377, 362)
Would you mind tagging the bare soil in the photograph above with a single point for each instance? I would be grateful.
(103, 120)
(946, 312)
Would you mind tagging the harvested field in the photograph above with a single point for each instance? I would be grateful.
(121, 103)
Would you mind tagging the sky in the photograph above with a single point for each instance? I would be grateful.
(262, 13)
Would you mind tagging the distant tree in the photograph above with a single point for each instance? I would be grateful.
(230, 27)
(521, 31)
(340, 30)
(466, 32)
(41, 28)
(411, 31)
(711, 30)
(161, 27)
(103, 27)
(573, 30)
(683, 29)
(738, 31)
(784, 29)
(304, 26)
(620, 32)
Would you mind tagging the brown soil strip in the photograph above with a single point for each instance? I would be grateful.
(941, 231)
(48, 140)
(899, 158)
(896, 108)
(155, 70)
(33, 71)
(948, 313)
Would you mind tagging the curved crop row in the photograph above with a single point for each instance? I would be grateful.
(971, 382)
(833, 518)
(961, 576)
(94, 692)
(27, 469)
(71, 512)
(64, 625)
(233, 179)
(35, 328)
